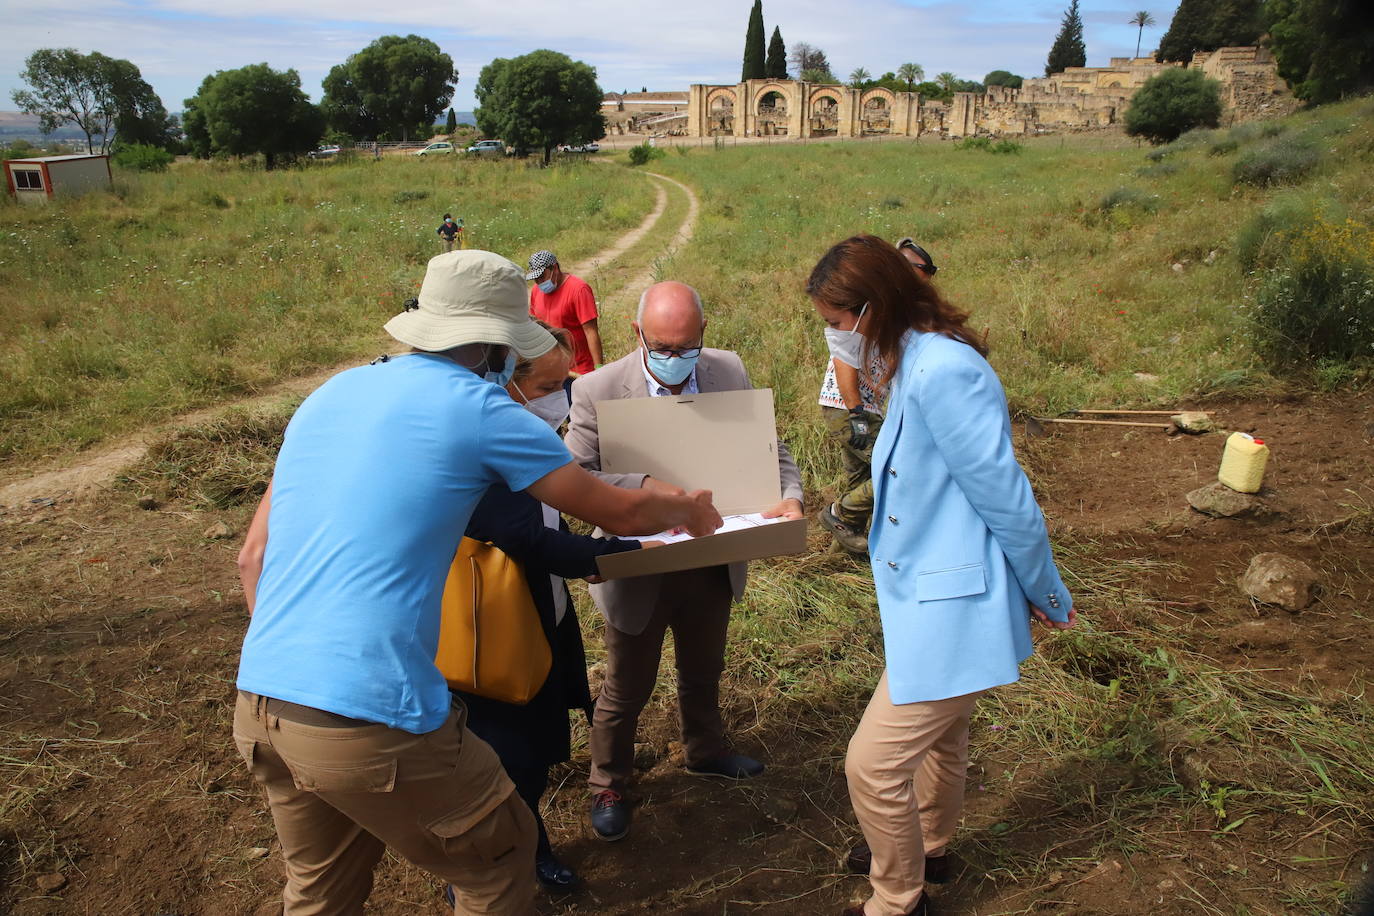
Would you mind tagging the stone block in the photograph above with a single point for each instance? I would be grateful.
(1220, 501)
(1274, 578)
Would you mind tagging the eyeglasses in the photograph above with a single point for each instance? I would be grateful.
(927, 269)
(666, 353)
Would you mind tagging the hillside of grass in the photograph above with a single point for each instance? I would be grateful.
(1104, 277)
(209, 281)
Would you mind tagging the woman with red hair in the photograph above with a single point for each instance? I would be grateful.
(960, 555)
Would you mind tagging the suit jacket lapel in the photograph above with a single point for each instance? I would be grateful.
(632, 379)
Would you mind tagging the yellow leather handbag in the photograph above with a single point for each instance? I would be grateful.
(491, 642)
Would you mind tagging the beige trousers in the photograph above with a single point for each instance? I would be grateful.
(906, 768)
(340, 796)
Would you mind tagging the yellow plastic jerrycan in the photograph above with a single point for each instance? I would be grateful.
(1242, 463)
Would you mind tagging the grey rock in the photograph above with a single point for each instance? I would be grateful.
(1274, 578)
(1220, 501)
(218, 532)
(52, 883)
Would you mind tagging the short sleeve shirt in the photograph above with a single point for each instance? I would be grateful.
(377, 476)
(873, 399)
(570, 307)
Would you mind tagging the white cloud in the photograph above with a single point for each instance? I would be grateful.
(660, 45)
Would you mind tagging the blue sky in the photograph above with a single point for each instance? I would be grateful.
(661, 45)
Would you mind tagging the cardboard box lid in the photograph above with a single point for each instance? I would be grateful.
(722, 441)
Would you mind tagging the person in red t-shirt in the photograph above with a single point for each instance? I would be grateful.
(566, 301)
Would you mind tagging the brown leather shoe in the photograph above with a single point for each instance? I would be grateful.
(860, 860)
(920, 909)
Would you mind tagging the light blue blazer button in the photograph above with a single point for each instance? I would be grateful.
(892, 519)
(891, 564)
(892, 471)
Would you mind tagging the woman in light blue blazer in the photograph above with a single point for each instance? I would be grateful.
(961, 561)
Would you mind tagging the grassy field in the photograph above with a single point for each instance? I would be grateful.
(209, 281)
(1105, 276)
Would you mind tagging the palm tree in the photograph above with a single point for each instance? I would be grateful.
(1140, 20)
(858, 77)
(912, 73)
(946, 81)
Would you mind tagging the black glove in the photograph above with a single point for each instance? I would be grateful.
(858, 428)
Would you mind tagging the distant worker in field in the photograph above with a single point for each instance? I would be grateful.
(694, 604)
(342, 715)
(566, 301)
(852, 405)
(450, 231)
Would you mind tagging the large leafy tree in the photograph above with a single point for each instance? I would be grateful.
(394, 88)
(1172, 102)
(1068, 49)
(755, 58)
(253, 109)
(1003, 78)
(776, 65)
(1324, 48)
(539, 100)
(105, 97)
(808, 59)
(1205, 25)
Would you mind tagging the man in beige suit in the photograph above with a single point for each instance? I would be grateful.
(694, 604)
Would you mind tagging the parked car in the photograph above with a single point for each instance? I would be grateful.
(578, 148)
(487, 148)
(324, 152)
(440, 147)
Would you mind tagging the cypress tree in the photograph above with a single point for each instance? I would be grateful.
(776, 66)
(754, 58)
(452, 123)
(1068, 49)
(1189, 31)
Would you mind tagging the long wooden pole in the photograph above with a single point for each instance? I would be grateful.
(1144, 413)
(1103, 422)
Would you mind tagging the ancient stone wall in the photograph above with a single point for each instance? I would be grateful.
(1080, 98)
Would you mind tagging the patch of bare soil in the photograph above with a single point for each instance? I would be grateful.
(119, 636)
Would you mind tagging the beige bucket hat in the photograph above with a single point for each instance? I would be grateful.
(472, 297)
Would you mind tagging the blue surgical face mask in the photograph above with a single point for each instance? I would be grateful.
(500, 377)
(547, 287)
(674, 370)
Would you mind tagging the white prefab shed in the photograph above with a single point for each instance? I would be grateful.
(36, 180)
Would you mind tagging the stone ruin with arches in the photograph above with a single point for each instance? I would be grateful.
(1081, 98)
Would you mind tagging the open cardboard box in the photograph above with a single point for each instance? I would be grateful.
(725, 442)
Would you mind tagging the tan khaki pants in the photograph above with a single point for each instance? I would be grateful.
(906, 768)
(340, 796)
(695, 605)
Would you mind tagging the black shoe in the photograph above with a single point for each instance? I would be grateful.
(553, 874)
(854, 542)
(730, 766)
(860, 860)
(610, 815)
(922, 908)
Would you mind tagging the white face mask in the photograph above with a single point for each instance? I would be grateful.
(547, 287)
(553, 408)
(847, 346)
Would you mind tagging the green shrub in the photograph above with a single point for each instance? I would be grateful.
(1318, 302)
(1006, 147)
(1223, 147)
(405, 197)
(1272, 128)
(1158, 170)
(1171, 103)
(974, 143)
(644, 153)
(1261, 239)
(1130, 198)
(143, 157)
(1285, 161)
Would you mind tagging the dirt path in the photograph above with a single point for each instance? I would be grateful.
(94, 468)
(679, 239)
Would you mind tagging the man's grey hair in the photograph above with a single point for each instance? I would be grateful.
(696, 297)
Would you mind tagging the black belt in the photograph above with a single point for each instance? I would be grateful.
(306, 715)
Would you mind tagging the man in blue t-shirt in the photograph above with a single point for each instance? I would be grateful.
(342, 714)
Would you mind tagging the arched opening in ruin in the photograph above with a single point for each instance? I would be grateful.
(771, 114)
(824, 120)
(720, 113)
(876, 113)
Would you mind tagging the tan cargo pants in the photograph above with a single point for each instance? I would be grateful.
(340, 795)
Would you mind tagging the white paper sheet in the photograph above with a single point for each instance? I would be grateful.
(732, 523)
